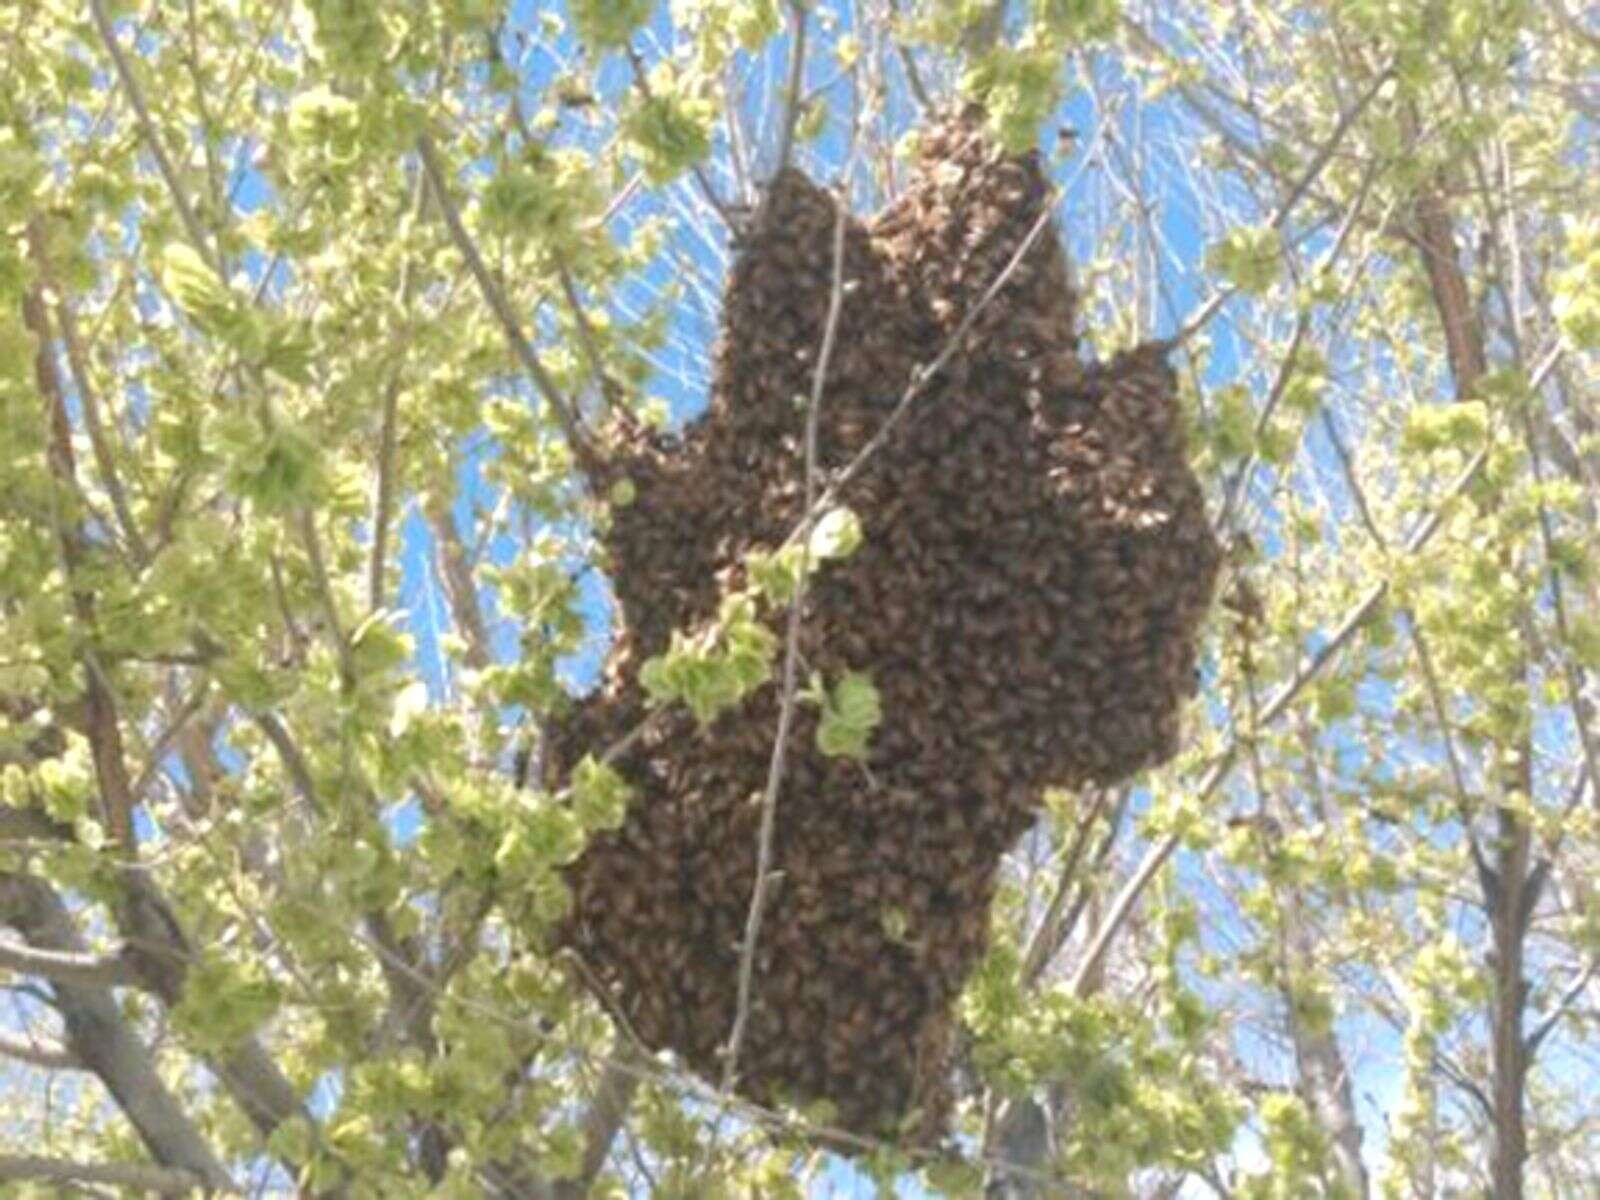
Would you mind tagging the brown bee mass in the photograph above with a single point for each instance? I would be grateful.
(1037, 560)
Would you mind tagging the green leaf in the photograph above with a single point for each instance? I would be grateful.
(608, 24)
(837, 534)
(224, 1000)
(600, 795)
(670, 130)
(208, 302)
(850, 712)
(1249, 257)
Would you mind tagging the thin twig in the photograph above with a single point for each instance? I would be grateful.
(455, 569)
(89, 400)
(718, 205)
(791, 657)
(589, 343)
(1157, 855)
(1320, 160)
(613, 1095)
(152, 135)
(919, 91)
(388, 437)
(925, 375)
(565, 415)
(1568, 998)
(37, 1054)
(1045, 937)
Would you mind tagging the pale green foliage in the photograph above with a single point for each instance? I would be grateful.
(1020, 85)
(541, 198)
(226, 999)
(599, 795)
(1297, 1149)
(1576, 286)
(850, 712)
(322, 738)
(717, 668)
(1247, 257)
(836, 534)
(669, 130)
(607, 24)
(721, 27)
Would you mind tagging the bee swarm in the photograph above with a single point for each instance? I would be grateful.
(1036, 562)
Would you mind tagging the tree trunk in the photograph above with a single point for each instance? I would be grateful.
(1325, 1084)
(1515, 893)
(1510, 887)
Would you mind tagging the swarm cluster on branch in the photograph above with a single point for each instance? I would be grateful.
(1036, 562)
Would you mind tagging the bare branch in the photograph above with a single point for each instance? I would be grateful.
(86, 970)
(48, 1057)
(1046, 938)
(100, 1038)
(388, 436)
(139, 1177)
(89, 400)
(460, 591)
(100, 714)
(1297, 192)
(607, 1111)
(1563, 1006)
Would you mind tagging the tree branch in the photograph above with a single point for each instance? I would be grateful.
(388, 437)
(1568, 998)
(78, 363)
(47, 1057)
(151, 135)
(791, 654)
(613, 1095)
(138, 1177)
(791, 94)
(1296, 193)
(86, 970)
(100, 1038)
(565, 415)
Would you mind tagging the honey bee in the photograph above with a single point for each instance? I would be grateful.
(1028, 501)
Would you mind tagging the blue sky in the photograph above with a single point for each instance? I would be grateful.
(1182, 224)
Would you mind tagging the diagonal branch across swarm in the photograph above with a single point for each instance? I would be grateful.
(1034, 500)
(791, 653)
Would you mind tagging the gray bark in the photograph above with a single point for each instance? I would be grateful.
(102, 1040)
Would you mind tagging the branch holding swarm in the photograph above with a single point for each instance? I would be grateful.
(791, 98)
